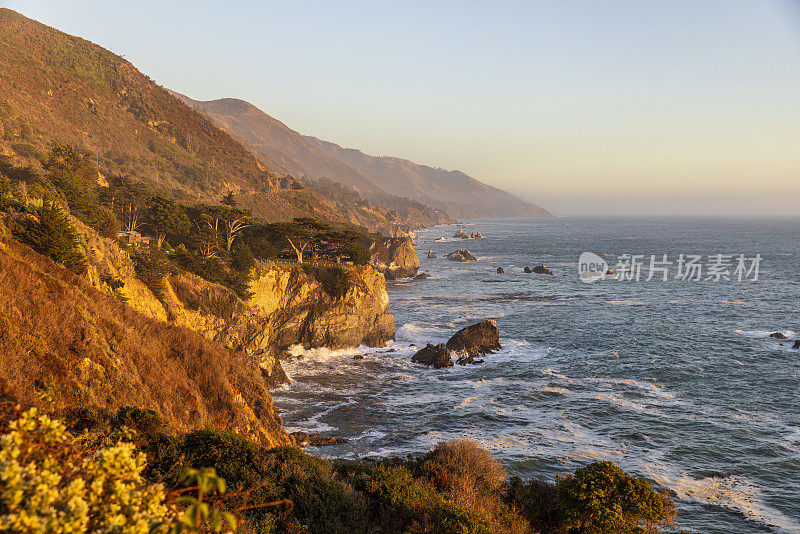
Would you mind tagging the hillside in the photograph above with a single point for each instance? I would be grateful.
(93, 351)
(57, 88)
(382, 181)
(284, 150)
(453, 191)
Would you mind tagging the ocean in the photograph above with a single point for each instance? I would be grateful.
(675, 380)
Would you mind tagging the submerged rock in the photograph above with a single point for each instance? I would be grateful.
(541, 269)
(778, 335)
(422, 276)
(796, 344)
(476, 340)
(304, 439)
(500, 270)
(461, 235)
(431, 255)
(461, 255)
(438, 356)
(527, 270)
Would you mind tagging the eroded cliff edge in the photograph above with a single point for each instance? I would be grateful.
(289, 305)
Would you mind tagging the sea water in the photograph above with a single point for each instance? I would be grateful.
(677, 381)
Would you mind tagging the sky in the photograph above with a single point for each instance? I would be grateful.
(680, 107)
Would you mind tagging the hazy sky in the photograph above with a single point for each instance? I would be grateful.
(584, 107)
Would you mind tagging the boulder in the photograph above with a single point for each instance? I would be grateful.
(527, 270)
(541, 269)
(461, 255)
(500, 270)
(468, 360)
(778, 335)
(478, 235)
(796, 344)
(304, 439)
(461, 235)
(438, 356)
(476, 340)
(431, 255)
(422, 276)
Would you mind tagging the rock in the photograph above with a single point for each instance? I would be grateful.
(461, 235)
(468, 360)
(274, 375)
(304, 439)
(541, 269)
(500, 270)
(778, 335)
(476, 340)
(478, 235)
(431, 255)
(461, 255)
(394, 257)
(422, 276)
(796, 344)
(438, 356)
(472, 235)
(358, 357)
(440, 239)
(611, 272)
(527, 270)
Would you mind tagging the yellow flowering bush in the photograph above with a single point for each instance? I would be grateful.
(49, 483)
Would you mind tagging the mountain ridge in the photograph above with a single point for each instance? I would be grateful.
(371, 176)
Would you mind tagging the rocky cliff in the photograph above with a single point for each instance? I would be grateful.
(394, 257)
(289, 306)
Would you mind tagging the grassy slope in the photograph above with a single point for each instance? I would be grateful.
(92, 351)
(56, 88)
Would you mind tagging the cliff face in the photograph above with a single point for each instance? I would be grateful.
(288, 307)
(395, 258)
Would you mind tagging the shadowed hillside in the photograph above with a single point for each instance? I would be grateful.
(457, 193)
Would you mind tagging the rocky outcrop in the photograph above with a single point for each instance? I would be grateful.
(796, 344)
(461, 255)
(461, 235)
(394, 257)
(304, 439)
(438, 356)
(476, 340)
(542, 269)
(778, 335)
(527, 270)
(500, 270)
(288, 307)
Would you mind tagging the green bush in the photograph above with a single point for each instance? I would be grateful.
(152, 266)
(601, 498)
(334, 279)
(54, 235)
(357, 253)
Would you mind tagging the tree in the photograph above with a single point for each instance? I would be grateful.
(54, 235)
(166, 217)
(601, 498)
(228, 200)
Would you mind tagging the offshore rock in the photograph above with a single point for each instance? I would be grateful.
(500, 270)
(778, 335)
(394, 257)
(461, 255)
(476, 340)
(542, 269)
(438, 356)
(422, 276)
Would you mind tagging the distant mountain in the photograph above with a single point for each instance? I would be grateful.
(457, 193)
(374, 178)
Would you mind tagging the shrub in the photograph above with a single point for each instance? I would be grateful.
(50, 484)
(536, 500)
(601, 498)
(152, 266)
(54, 235)
(463, 468)
(357, 253)
(334, 279)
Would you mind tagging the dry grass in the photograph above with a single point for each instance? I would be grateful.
(89, 350)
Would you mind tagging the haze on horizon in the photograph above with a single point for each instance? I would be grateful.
(585, 108)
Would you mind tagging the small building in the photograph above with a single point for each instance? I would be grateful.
(132, 237)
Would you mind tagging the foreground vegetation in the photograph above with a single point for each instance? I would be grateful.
(123, 473)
